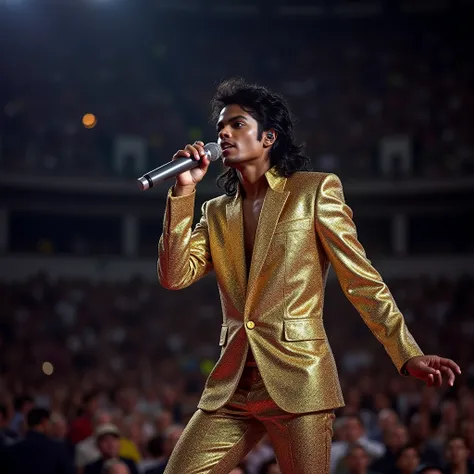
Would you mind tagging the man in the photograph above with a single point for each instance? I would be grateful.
(82, 427)
(171, 437)
(395, 438)
(387, 419)
(37, 453)
(156, 454)
(357, 460)
(22, 405)
(108, 442)
(354, 435)
(408, 460)
(270, 241)
(86, 450)
(58, 428)
(421, 436)
(457, 456)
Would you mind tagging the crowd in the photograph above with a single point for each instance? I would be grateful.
(102, 378)
(348, 88)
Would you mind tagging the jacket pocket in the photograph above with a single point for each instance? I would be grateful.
(223, 337)
(296, 224)
(307, 329)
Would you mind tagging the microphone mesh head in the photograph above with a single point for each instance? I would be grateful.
(213, 150)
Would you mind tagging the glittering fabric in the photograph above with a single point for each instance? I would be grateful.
(214, 442)
(304, 227)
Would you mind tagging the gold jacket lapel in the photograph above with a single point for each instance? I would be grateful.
(234, 241)
(269, 216)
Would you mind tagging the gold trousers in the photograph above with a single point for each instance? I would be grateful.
(215, 442)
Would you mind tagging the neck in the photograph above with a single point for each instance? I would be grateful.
(253, 181)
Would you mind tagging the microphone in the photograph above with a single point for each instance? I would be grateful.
(175, 167)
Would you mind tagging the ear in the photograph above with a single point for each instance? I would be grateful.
(269, 137)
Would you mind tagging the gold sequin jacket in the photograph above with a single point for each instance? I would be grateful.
(304, 227)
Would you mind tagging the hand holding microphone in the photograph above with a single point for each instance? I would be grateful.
(189, 166)
(186, 182)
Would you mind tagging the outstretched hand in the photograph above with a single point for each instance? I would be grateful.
(432, 369)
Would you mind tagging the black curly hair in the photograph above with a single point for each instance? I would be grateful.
(271, 112)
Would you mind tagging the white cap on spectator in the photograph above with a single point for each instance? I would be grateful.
(107, 429)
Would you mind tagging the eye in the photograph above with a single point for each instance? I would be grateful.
(238, 124)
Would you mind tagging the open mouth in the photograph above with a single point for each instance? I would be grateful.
(225, 146)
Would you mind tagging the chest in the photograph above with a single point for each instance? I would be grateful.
(251, 214)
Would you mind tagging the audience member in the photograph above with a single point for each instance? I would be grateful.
(354, 433)
(457, 456)
(407, 460)
(37, 453)
(108, 443)
(171, 438)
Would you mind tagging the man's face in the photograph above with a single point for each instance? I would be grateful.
(408, 460)
(419, 428)
(101, 418)
(109, 446)
(238, 136)
(456, 452)
(387, 419)
(358, 460)
(353, 429)
(396, 437)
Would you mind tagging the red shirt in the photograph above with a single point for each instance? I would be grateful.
(81, 428)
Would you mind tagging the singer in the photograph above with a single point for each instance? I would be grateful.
(270, 240)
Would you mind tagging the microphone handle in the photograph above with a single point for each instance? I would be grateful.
(170, 170)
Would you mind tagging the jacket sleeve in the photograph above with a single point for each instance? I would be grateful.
(183, 254)
(361, 283)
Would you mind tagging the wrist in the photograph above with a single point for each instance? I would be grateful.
(404, 370)
(183, 190)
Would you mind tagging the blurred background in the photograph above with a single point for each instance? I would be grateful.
(94, 93)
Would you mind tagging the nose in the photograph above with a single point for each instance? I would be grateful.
(224, 133)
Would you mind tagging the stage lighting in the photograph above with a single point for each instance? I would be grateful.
(47, 368)
(89, 120)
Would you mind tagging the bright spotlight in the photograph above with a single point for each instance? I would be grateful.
(89, 120)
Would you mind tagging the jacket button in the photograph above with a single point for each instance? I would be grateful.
(250, 324)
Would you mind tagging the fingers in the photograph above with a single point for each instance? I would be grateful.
(181, 154)
(450, 364)
(434, 380)
(427, 369)
(195, 151)
(449, 374)
(202, 154)
(438, 379)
